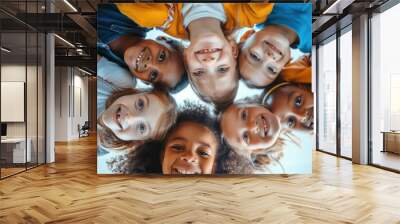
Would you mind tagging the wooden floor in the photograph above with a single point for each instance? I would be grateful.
(10, 171)
(5, 172)
(70, 191)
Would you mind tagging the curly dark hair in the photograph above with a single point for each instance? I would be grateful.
(199, 114)
(147, 158)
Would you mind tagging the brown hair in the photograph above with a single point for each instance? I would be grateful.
(110, 141)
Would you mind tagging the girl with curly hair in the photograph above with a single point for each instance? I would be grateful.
(191, 146)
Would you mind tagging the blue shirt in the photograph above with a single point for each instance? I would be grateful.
(112, 24)
(295, 16)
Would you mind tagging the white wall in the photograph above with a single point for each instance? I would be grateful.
(34, 125)
(10, 73)
(70, 83)
(80, 110)
(13, 73)
(61, 103)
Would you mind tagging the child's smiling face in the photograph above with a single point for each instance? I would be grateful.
(294, 105)
(191, 148)
(262, 57)
(155, 62)
(249, 127)
(135, 116)
(211, 64)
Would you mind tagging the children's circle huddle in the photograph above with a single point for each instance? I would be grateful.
(209, 46)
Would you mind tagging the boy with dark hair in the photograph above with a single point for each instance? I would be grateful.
(123, 41)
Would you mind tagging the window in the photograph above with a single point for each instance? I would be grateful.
(385, 89)
(22, 72)
(346, 93)
(327, 96)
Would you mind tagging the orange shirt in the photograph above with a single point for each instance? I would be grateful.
(155, 14)
(298, 71)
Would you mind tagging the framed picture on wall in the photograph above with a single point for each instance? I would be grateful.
(12, 98)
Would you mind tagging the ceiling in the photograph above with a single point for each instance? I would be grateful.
(331, 15)
(72, 20)
(75, 22)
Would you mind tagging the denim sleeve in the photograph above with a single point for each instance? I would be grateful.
(296, 16)
(112, 24)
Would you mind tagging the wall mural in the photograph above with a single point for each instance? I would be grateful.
(204, 88)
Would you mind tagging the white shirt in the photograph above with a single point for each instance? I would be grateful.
(193, 11)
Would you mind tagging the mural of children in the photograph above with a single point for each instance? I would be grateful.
(250, 136)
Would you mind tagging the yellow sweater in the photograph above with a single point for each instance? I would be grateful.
(155, 14)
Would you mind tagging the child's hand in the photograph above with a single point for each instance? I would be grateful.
(164, 38)
(173, 42)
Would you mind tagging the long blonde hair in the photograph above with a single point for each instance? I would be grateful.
(110, 142)
(261, 159)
